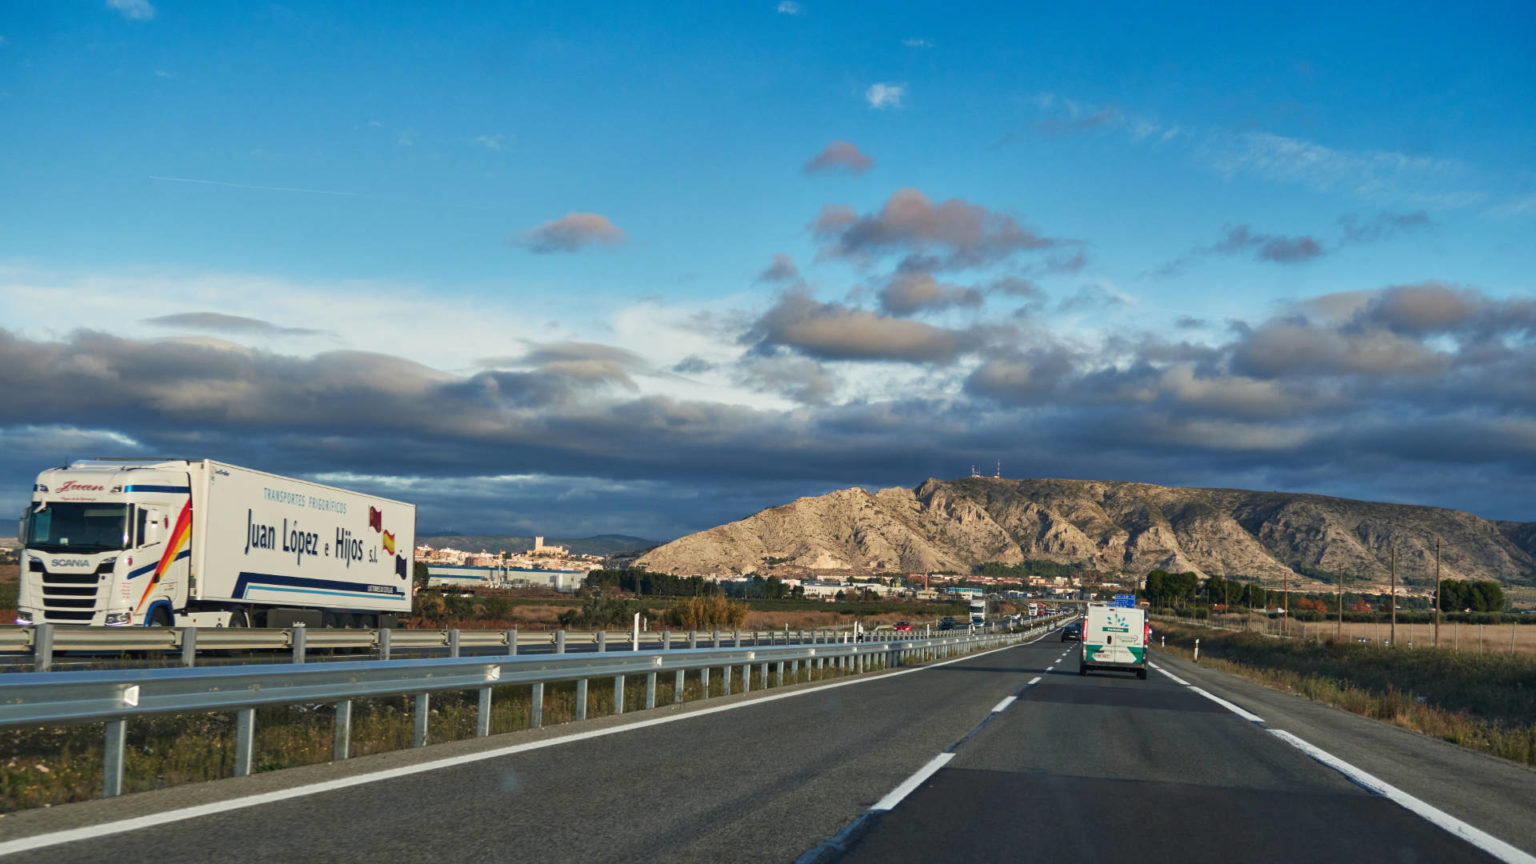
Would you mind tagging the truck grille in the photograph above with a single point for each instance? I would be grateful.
(69, 598)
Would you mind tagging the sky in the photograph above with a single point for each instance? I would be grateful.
(581, 268)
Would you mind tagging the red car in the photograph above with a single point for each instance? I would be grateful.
(904, 626)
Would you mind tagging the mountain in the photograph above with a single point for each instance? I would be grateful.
(602, 544)
(1108, 526)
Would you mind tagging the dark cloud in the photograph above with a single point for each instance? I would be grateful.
(951, 234)
(570, 233)
(1267, 247)
(1417, 393)
(839, 156)
(829, 331)
(1189, 322)
(1092, 120)
(782, 270)
(908, 293)
(1382, 227)
(215, 322)
(693, 364)
(1090, 297)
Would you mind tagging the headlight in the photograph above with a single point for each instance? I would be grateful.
(23, 619)
(118, 618)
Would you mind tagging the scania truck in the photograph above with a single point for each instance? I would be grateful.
(162, 542)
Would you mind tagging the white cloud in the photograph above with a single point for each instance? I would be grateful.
(917, 43)
(789, 7)
(133, 10)
(491, 142)
(882, 95)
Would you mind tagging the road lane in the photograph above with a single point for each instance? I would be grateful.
(762, 782)
(1107, 767)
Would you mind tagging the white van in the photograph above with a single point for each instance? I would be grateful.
(1114, 637)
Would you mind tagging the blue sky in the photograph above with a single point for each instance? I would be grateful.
(576, 268)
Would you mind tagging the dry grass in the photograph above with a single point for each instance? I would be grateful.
(1481, 703)
(1454, 635)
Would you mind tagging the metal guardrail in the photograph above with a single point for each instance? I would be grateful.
(42, 642)
(115, 696)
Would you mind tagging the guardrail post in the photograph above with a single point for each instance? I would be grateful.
(536, 706)
(725, 680)
(581, 699)
(602, 640)
(112, 758)
(755, 642)
(559, 641)
(746, 677)
(245, 740)
(453, 642)
(735, 638)
(779, 674)
(618, 694)
(716, 643)
(382, 634)
(423, 710)
(650, 690)
(296, 639)
(42, 647)
(512, 642)
(189, 646)
(341, 747)
(762, 669)
(483, 714)
(794, 670)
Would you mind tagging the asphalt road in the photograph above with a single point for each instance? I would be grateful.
(1098, 768)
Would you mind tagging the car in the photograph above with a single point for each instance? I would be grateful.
(947, 624)
(903, 626)
(1072, 633)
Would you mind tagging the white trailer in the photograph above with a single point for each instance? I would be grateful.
(196, 542)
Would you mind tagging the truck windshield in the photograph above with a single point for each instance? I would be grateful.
(77, 527)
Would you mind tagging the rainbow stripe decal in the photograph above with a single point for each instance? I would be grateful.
(173, 546)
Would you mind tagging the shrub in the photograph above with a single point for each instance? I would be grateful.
(705, 613)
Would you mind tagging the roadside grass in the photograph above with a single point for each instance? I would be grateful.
(41, 767)
(1484, 702)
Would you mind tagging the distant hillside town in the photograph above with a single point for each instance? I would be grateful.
(540, 567)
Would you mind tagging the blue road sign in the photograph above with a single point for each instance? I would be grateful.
(1127, 601)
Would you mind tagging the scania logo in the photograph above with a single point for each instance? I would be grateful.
(69, 562)
(83, 487)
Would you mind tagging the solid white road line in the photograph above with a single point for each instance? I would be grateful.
(55, 838)
(1479, 838)
(1246, 715)
(1003, 705)
(1435, 816)
(894, 797)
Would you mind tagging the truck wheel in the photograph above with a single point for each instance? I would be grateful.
(239, 618)
(1081, 669)
(1142, 674)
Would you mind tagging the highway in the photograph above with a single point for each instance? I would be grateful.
(1006, 755)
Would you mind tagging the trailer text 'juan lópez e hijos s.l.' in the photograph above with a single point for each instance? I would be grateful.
(198, 542)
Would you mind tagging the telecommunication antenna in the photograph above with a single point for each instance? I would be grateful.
(999, 474)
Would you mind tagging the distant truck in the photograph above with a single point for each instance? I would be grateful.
(1114, 637)
(978, 610)
(163, 542)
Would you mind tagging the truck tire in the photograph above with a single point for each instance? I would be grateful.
(239, 618)
(1081, 669)
(1141, 673)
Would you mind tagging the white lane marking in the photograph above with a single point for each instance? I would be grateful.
(55, 838)
(1481, 839)
(1003, 705)
(1033, 681)
(894, 797)
(1435, 816)
(1246, 715)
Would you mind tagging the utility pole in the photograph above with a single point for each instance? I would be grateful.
(1285, 612)
(1339, 635)
(1437, 592)
(1393, 600)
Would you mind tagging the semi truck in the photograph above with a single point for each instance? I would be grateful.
(1114, 637)
(195, 542)
(978, 610)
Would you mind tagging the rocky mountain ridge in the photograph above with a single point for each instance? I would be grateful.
(1131, 528)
